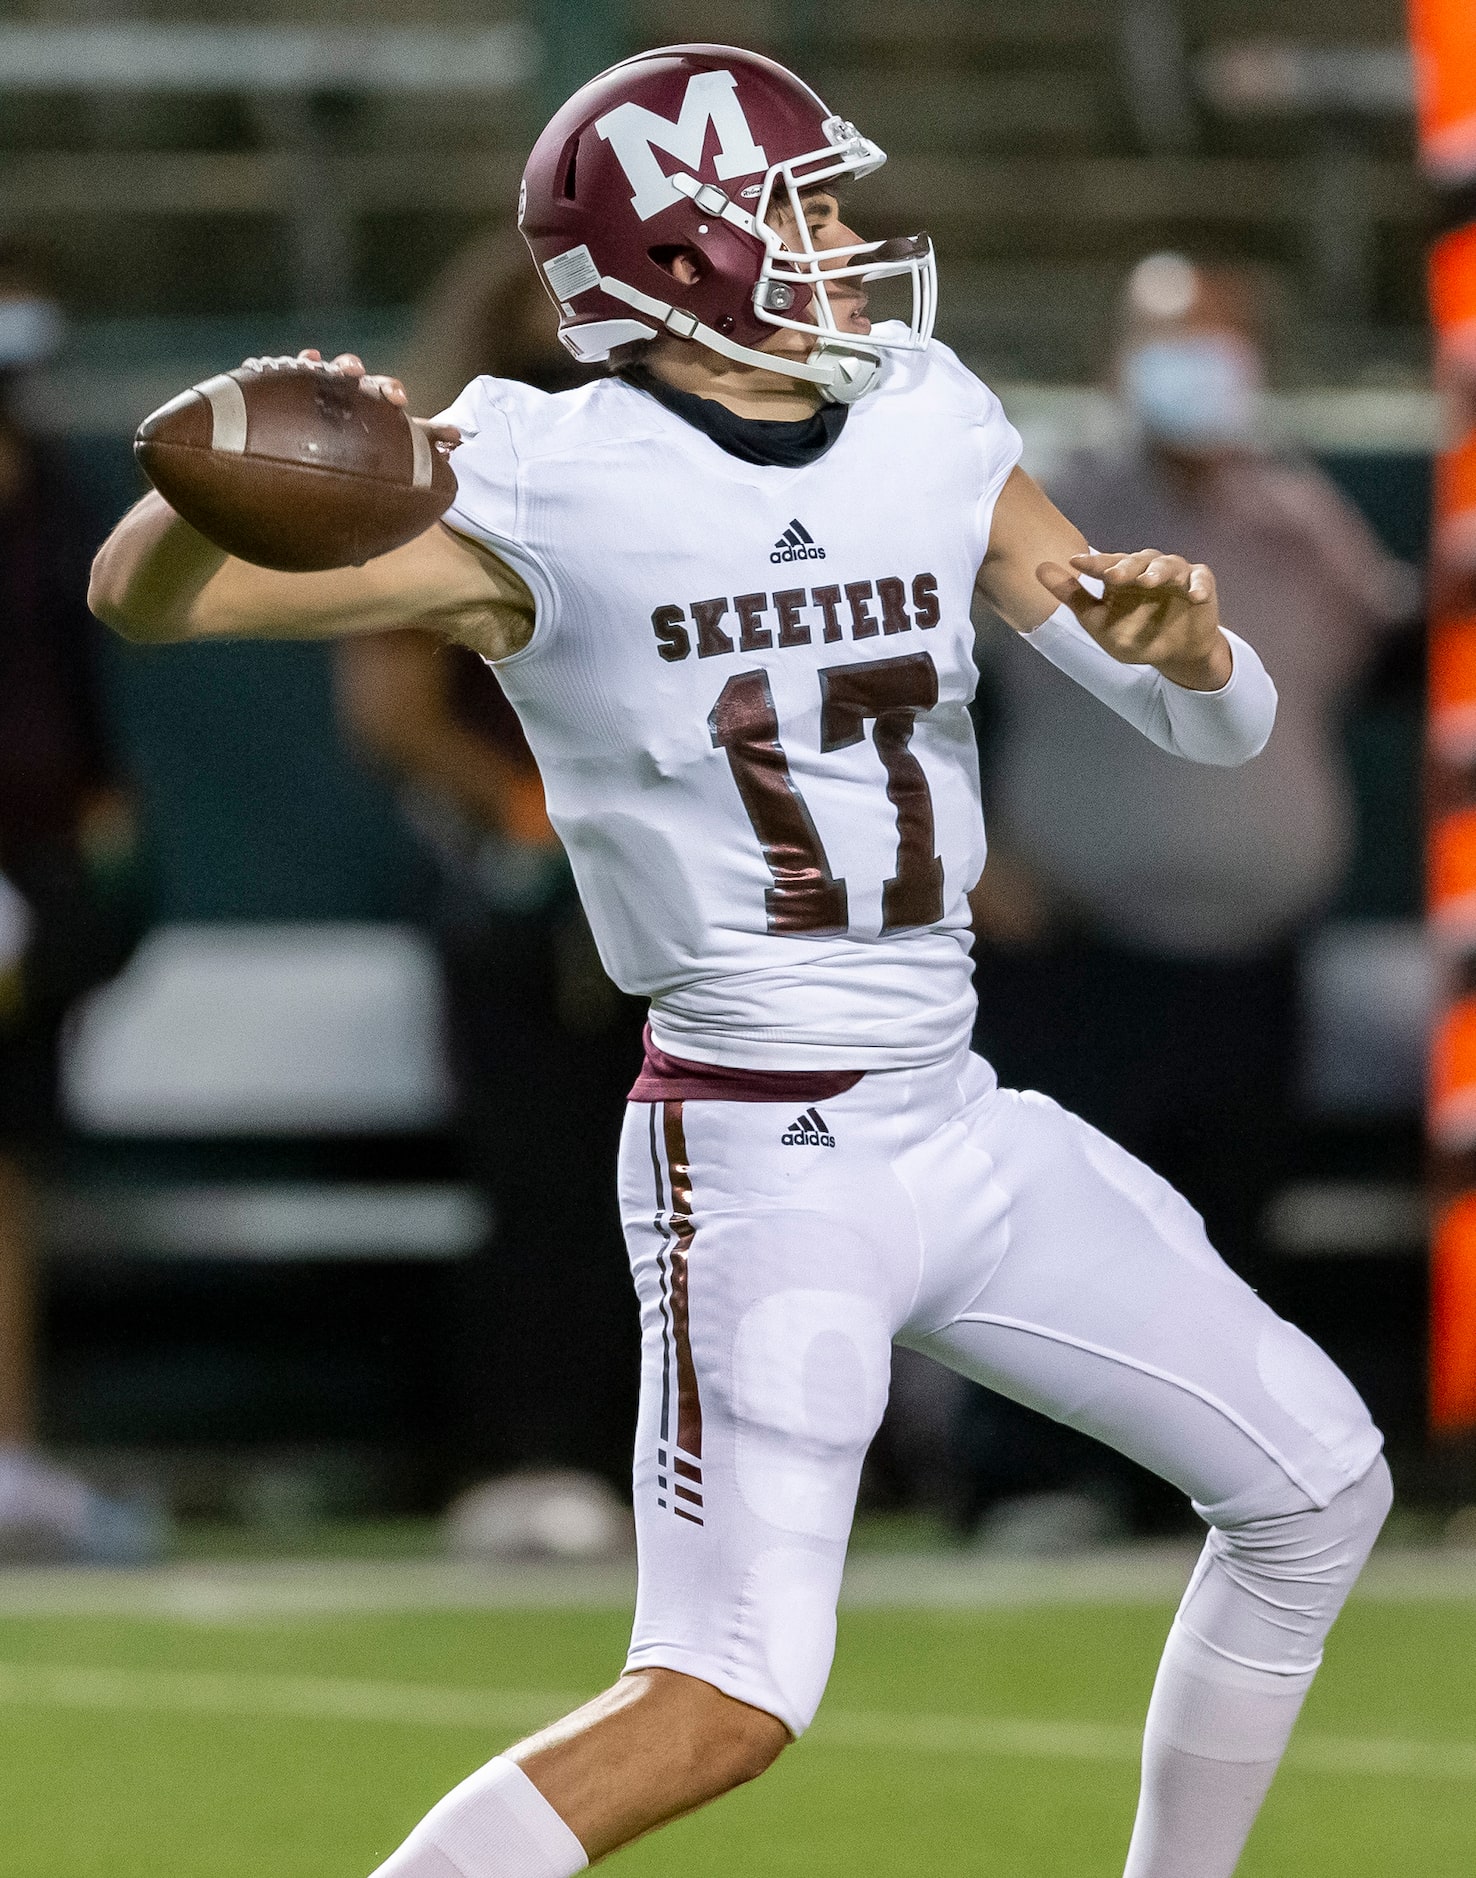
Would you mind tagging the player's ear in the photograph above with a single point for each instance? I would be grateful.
(685, 265)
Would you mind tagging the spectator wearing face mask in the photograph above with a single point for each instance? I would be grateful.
(542, 1046)
(66, 912)
(1139, 919)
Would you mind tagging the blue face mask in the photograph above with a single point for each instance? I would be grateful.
(1199, 390)
(30, 332)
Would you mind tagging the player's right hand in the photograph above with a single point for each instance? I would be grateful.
(350, 365)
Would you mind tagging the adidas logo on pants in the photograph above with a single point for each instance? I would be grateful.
(808, 1131)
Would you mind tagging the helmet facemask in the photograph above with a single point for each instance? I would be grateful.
(792, 279)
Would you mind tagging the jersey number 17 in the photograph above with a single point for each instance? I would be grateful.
(806, 897)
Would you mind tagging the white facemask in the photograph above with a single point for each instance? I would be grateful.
(30, 332)
(1198, 389)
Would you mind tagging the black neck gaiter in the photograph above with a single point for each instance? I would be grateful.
(750, 439)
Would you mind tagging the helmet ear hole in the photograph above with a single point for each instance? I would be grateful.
(667, 254)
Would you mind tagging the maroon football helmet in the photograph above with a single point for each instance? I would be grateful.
(683, 149)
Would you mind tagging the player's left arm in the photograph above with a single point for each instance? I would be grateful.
(1140, 630)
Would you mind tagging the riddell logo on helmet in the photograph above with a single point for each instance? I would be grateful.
(636, 134)
(797, 544)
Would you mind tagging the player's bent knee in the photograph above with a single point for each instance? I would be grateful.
(732, 1740)
(1360, 1510)
(751, 1746)
(716, 1742)
(1353, 1515)
(737, 1743)
(1271, 1586)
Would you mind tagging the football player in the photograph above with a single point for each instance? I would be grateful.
(727, 588)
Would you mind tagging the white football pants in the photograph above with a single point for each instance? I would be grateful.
(779, 1254)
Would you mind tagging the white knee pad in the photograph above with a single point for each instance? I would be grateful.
(1266, 1591)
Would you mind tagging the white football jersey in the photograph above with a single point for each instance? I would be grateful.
(747, 691)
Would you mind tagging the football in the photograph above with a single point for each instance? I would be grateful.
(292, 466)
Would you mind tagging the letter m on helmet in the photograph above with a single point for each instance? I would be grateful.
(635, 134)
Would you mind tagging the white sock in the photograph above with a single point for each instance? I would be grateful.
(496, 1824)
(1215, 1736)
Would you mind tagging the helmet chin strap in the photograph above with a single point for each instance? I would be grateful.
(842, 372)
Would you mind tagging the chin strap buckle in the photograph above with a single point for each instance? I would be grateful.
(711, 201)
(851, 374)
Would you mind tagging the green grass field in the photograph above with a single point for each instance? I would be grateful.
(996, 1740)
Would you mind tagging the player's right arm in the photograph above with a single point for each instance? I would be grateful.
(158, 581)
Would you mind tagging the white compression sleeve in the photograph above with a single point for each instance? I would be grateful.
(496, 1824)
(1228, 726)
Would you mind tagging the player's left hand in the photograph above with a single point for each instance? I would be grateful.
(1156, 609)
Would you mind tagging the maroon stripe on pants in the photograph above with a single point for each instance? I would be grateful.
(689, 1398)
(661, 1227)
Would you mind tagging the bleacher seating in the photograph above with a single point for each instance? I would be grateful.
(1046, 143)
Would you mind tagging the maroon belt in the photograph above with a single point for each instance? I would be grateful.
(666, 1078)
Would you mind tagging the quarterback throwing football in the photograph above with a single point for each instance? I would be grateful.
(727, 588)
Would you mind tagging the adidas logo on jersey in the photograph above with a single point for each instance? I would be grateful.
(808, 1131)
(797, 544)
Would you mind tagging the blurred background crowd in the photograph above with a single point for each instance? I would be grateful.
(310, 1078)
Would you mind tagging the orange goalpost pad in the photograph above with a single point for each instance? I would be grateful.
(1453, 1318)
(1443, 34)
